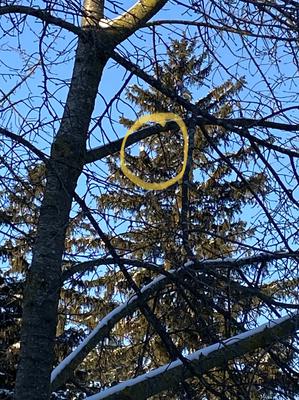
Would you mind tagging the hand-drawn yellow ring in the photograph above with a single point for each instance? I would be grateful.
(160, 118)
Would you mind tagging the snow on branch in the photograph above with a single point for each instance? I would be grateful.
(64, 370)
(217, 355)
(137, 15)
(123, 26)
(198, 265)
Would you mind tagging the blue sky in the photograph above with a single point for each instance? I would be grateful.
(23, 52)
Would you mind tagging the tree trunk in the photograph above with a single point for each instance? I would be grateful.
(43, 284)
(44, 278)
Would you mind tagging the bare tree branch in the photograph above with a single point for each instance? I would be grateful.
(123, 26)
(226, 263)
(218, 28)
(64, 370)
(217, 355)
(101, 152)
(43, 15)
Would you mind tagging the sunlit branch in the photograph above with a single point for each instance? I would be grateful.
(217, 355)
(123, 26)
(138, 14)
(61, 373)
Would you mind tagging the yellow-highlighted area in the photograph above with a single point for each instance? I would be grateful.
(162, 119)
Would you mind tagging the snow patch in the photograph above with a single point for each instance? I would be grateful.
(194, 356)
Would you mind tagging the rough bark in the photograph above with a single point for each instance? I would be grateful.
(44, 279)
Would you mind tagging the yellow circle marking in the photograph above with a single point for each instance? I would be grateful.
(160, 118)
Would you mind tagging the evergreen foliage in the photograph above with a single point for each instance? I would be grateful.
(200, 214)
(203, 308)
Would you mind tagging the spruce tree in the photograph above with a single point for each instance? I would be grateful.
(199, 309)
(81, 305)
